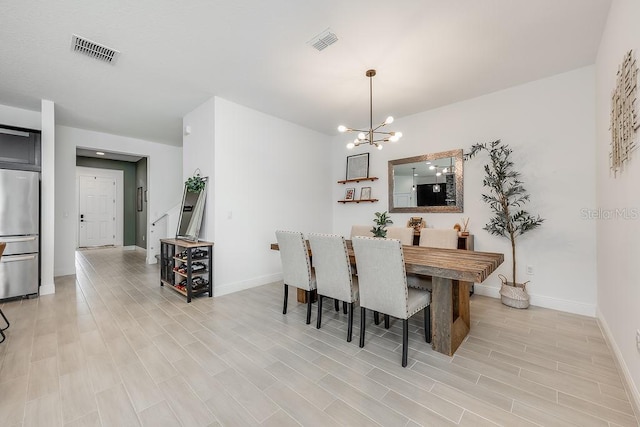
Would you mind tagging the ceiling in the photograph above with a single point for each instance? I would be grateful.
(177, 54)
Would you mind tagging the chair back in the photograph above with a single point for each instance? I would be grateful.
(296, 266)
(381, 275)
(332, 266)
(439, 238)
(404, 234)
(361, 230)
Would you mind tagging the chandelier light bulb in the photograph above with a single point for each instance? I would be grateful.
(432, 167)
(361, 136)
(389, 120)
(350, 145)
(342, 128)
(444, 170)
(439, 173)
(379, 146)
(394, 138)
(399, 135)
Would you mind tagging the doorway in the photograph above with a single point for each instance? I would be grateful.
(100, 207)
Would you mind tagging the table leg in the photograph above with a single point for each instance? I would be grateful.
(450, 317)
(302, 296)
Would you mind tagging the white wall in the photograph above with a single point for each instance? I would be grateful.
(198, 149)
(47, 198)
(164, 189)
(549, 124)
(618, 238)
(19, 117)
(268, 174)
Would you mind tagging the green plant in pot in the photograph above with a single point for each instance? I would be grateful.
(195, 184)
(381, 221)
(506, 198)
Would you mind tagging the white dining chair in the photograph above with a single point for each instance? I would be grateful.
(444, 238)
(404, 234)
(334, 278)
(383, 287)
(296, 266)
(439, 238)
(361, 230)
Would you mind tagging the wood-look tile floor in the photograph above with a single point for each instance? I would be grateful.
(113, 348)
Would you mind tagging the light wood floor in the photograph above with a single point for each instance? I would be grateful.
(113, 348)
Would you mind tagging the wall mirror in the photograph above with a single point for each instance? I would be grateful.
(191, 214)
(427, 183)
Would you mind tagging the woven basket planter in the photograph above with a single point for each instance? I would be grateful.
(513, 296)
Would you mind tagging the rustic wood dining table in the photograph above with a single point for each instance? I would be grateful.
(451, 271)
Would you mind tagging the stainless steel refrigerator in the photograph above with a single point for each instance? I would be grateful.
(19, 228)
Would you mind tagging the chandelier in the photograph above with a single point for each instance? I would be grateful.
(372, 136)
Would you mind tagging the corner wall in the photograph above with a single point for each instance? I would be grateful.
(618, 235)
(268, 174)
(549, 124)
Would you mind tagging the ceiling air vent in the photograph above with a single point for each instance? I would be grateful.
(93, 49)
(323, 40)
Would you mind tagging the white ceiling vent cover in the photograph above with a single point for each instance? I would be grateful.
(323, 40)
(93, 49)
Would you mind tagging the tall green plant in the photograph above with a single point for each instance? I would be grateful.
(506, 196)
(381, 221)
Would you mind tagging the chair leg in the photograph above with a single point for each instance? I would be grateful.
(309, 302)
(427, 323)
(405, 341)
(3, 336)
(363, 315)
(286, 297)
(376, 317)
(350, 323)
(6, 321)
(319, 320)
(386, 321)
(344, 307)
(336, 304)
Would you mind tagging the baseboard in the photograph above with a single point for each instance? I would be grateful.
(47, 289)
(140, 248)
(544, 301)
(151, 259)
(230, 288)
(632, 389)
(129, 248)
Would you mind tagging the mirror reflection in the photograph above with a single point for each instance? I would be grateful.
(427, 183)
(191, 214)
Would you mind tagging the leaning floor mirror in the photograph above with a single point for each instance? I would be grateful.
(191, 213)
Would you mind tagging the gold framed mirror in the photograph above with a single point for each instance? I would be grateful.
(427, 183)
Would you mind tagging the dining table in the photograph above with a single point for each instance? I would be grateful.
(451, 272)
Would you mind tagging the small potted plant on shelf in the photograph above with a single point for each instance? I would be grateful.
(506, 198)
(381, 221)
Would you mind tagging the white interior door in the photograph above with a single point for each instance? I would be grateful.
(97, 205)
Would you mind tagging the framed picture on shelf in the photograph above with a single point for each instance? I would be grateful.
(349, 193)
(358, 166)
(365, 193)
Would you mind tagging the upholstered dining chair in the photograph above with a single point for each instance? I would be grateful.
(334, 278)
(361, 230)
(383, 287)
(296, 266)
(3, 245)
(439, 238)
(444, 238)
(404, 234)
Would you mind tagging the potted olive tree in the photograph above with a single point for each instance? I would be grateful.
(506, 198)
(381, 221)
